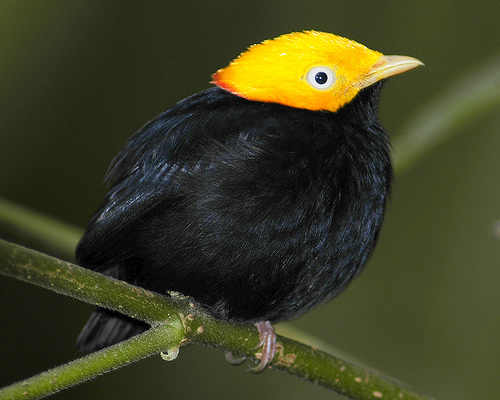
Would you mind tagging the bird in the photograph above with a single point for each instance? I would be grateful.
(260, 197)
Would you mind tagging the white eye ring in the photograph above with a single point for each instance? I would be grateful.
(321, 77)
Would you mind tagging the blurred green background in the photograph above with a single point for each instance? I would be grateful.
(78, 78)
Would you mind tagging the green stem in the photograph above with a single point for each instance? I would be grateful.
(177, 320)
(164, 337)
(82, 284)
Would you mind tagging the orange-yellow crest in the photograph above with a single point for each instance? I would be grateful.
(310, 70)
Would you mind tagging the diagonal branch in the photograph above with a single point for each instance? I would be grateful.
(153, 341)
(177, 321)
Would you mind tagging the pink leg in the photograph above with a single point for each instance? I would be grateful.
(267, 342)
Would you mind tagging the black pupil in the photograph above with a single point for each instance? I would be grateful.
(321, 78)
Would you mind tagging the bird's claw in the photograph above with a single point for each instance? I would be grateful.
(231, 359)
(267, 343)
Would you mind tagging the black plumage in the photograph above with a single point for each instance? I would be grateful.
(258, 211)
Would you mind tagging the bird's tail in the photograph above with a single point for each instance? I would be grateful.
(105, 328)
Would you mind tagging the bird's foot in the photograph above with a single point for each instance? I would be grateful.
(267, 343)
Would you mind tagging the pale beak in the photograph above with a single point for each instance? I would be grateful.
(388, 66)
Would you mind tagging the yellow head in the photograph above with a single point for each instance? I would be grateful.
(310, 70)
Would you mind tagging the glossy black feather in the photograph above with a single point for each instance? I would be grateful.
(257, 210)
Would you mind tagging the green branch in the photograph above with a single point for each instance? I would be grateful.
(177, 321)
(154, 341)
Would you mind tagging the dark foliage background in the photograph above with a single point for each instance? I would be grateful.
(78, 78)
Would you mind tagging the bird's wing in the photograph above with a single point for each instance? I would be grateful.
(136, 186)
(139, 176)
(147, 173)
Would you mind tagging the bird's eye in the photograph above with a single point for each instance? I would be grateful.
(321, 78)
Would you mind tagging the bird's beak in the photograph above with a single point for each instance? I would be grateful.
(387, 66)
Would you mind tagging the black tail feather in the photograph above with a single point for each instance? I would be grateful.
(105, 328)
